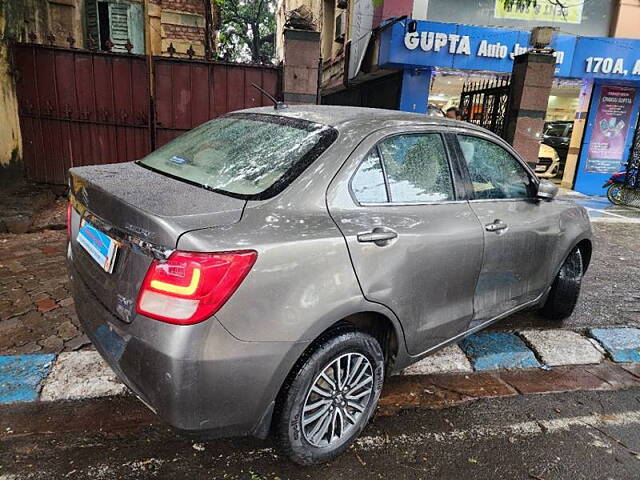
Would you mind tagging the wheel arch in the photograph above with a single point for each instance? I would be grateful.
(586, 249)
(384, 329)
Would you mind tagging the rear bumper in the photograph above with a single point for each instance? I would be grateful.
(198, 378)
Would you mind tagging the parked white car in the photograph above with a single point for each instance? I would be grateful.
(548, 164)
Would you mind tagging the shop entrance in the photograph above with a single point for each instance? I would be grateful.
(482, 98)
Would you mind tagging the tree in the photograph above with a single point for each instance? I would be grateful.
(247, 30)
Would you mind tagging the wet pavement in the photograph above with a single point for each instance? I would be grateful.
(581, 435)
(602, 210)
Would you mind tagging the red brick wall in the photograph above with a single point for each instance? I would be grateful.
(191, 6)
(194, 34)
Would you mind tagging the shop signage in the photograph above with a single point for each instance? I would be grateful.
(466, 47)
(612, 58)
(607, 147)
(540, 11)
(463, 47)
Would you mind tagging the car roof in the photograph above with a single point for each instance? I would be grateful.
(338, 116)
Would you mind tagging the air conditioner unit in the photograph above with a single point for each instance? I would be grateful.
(341, 27)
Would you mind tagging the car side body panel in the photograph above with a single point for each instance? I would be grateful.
(427, 275)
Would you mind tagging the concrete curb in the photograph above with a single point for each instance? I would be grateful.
(81, 375)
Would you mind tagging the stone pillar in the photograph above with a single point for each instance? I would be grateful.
(153, 29)
(301, 66)
(579, 127)
(414, 95)
(531, 82)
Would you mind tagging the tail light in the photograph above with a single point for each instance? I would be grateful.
(190, 287)
(69, 211)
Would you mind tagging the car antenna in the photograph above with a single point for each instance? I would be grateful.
(276, 104)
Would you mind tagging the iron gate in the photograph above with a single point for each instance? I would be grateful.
(84, 107)
(486, 103)
(80, 108)
(190, 92)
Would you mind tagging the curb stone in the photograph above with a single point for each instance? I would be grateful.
(78, 375)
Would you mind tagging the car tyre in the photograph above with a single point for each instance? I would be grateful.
(565, 290)
(347, 358)
(616, 194)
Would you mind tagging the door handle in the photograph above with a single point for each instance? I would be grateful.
(496, 226)
(379, 236)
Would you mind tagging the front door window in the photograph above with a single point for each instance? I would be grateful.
(494, 172)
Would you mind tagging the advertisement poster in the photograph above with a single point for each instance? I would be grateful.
(607, 148)
(540, 11)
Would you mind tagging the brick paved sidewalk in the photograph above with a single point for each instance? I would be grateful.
(36, 308)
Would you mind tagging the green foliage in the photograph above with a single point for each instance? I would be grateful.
(247, 30)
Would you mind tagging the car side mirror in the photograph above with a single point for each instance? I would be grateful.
(547, 190)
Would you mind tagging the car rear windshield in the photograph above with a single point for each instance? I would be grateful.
(251, 156)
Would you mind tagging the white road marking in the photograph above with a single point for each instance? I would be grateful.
(522, 429)
(562, 347)
(449, 359)
(77, 375)
(605, 212)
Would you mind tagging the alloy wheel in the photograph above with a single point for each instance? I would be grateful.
(337, 399)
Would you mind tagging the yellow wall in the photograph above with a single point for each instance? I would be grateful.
(10, 140)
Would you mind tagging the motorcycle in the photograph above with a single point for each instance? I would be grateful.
(616, 190)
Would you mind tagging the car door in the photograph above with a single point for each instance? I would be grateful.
(520, 231)
(415, 245)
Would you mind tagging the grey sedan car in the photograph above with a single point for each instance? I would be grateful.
(264, 272)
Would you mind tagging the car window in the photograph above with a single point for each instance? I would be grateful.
(555, 129)
(569, 130)
(250, 156)
(494, 172)
(417, 168)
(368, 182)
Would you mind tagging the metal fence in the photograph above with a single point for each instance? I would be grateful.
(486, 103)
(85, 107)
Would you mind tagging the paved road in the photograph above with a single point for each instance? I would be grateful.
(588, 435)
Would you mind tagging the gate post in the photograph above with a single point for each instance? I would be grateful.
(301, 66)
(531, 82)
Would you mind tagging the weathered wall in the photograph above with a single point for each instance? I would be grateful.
(10, 140)
(60, 18)
(183, 24)
(283, 9)
(626, 20)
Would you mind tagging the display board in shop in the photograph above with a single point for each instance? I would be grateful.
(608, 145)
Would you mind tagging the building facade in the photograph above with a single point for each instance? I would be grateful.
(408, 55)
(149, 25)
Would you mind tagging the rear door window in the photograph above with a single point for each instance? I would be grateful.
(368, 184)
(417, 168)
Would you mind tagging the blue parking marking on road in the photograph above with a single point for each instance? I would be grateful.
(490, 351)
(623, 344)
(21, 376)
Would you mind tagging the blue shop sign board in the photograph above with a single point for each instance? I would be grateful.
(466, 47)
